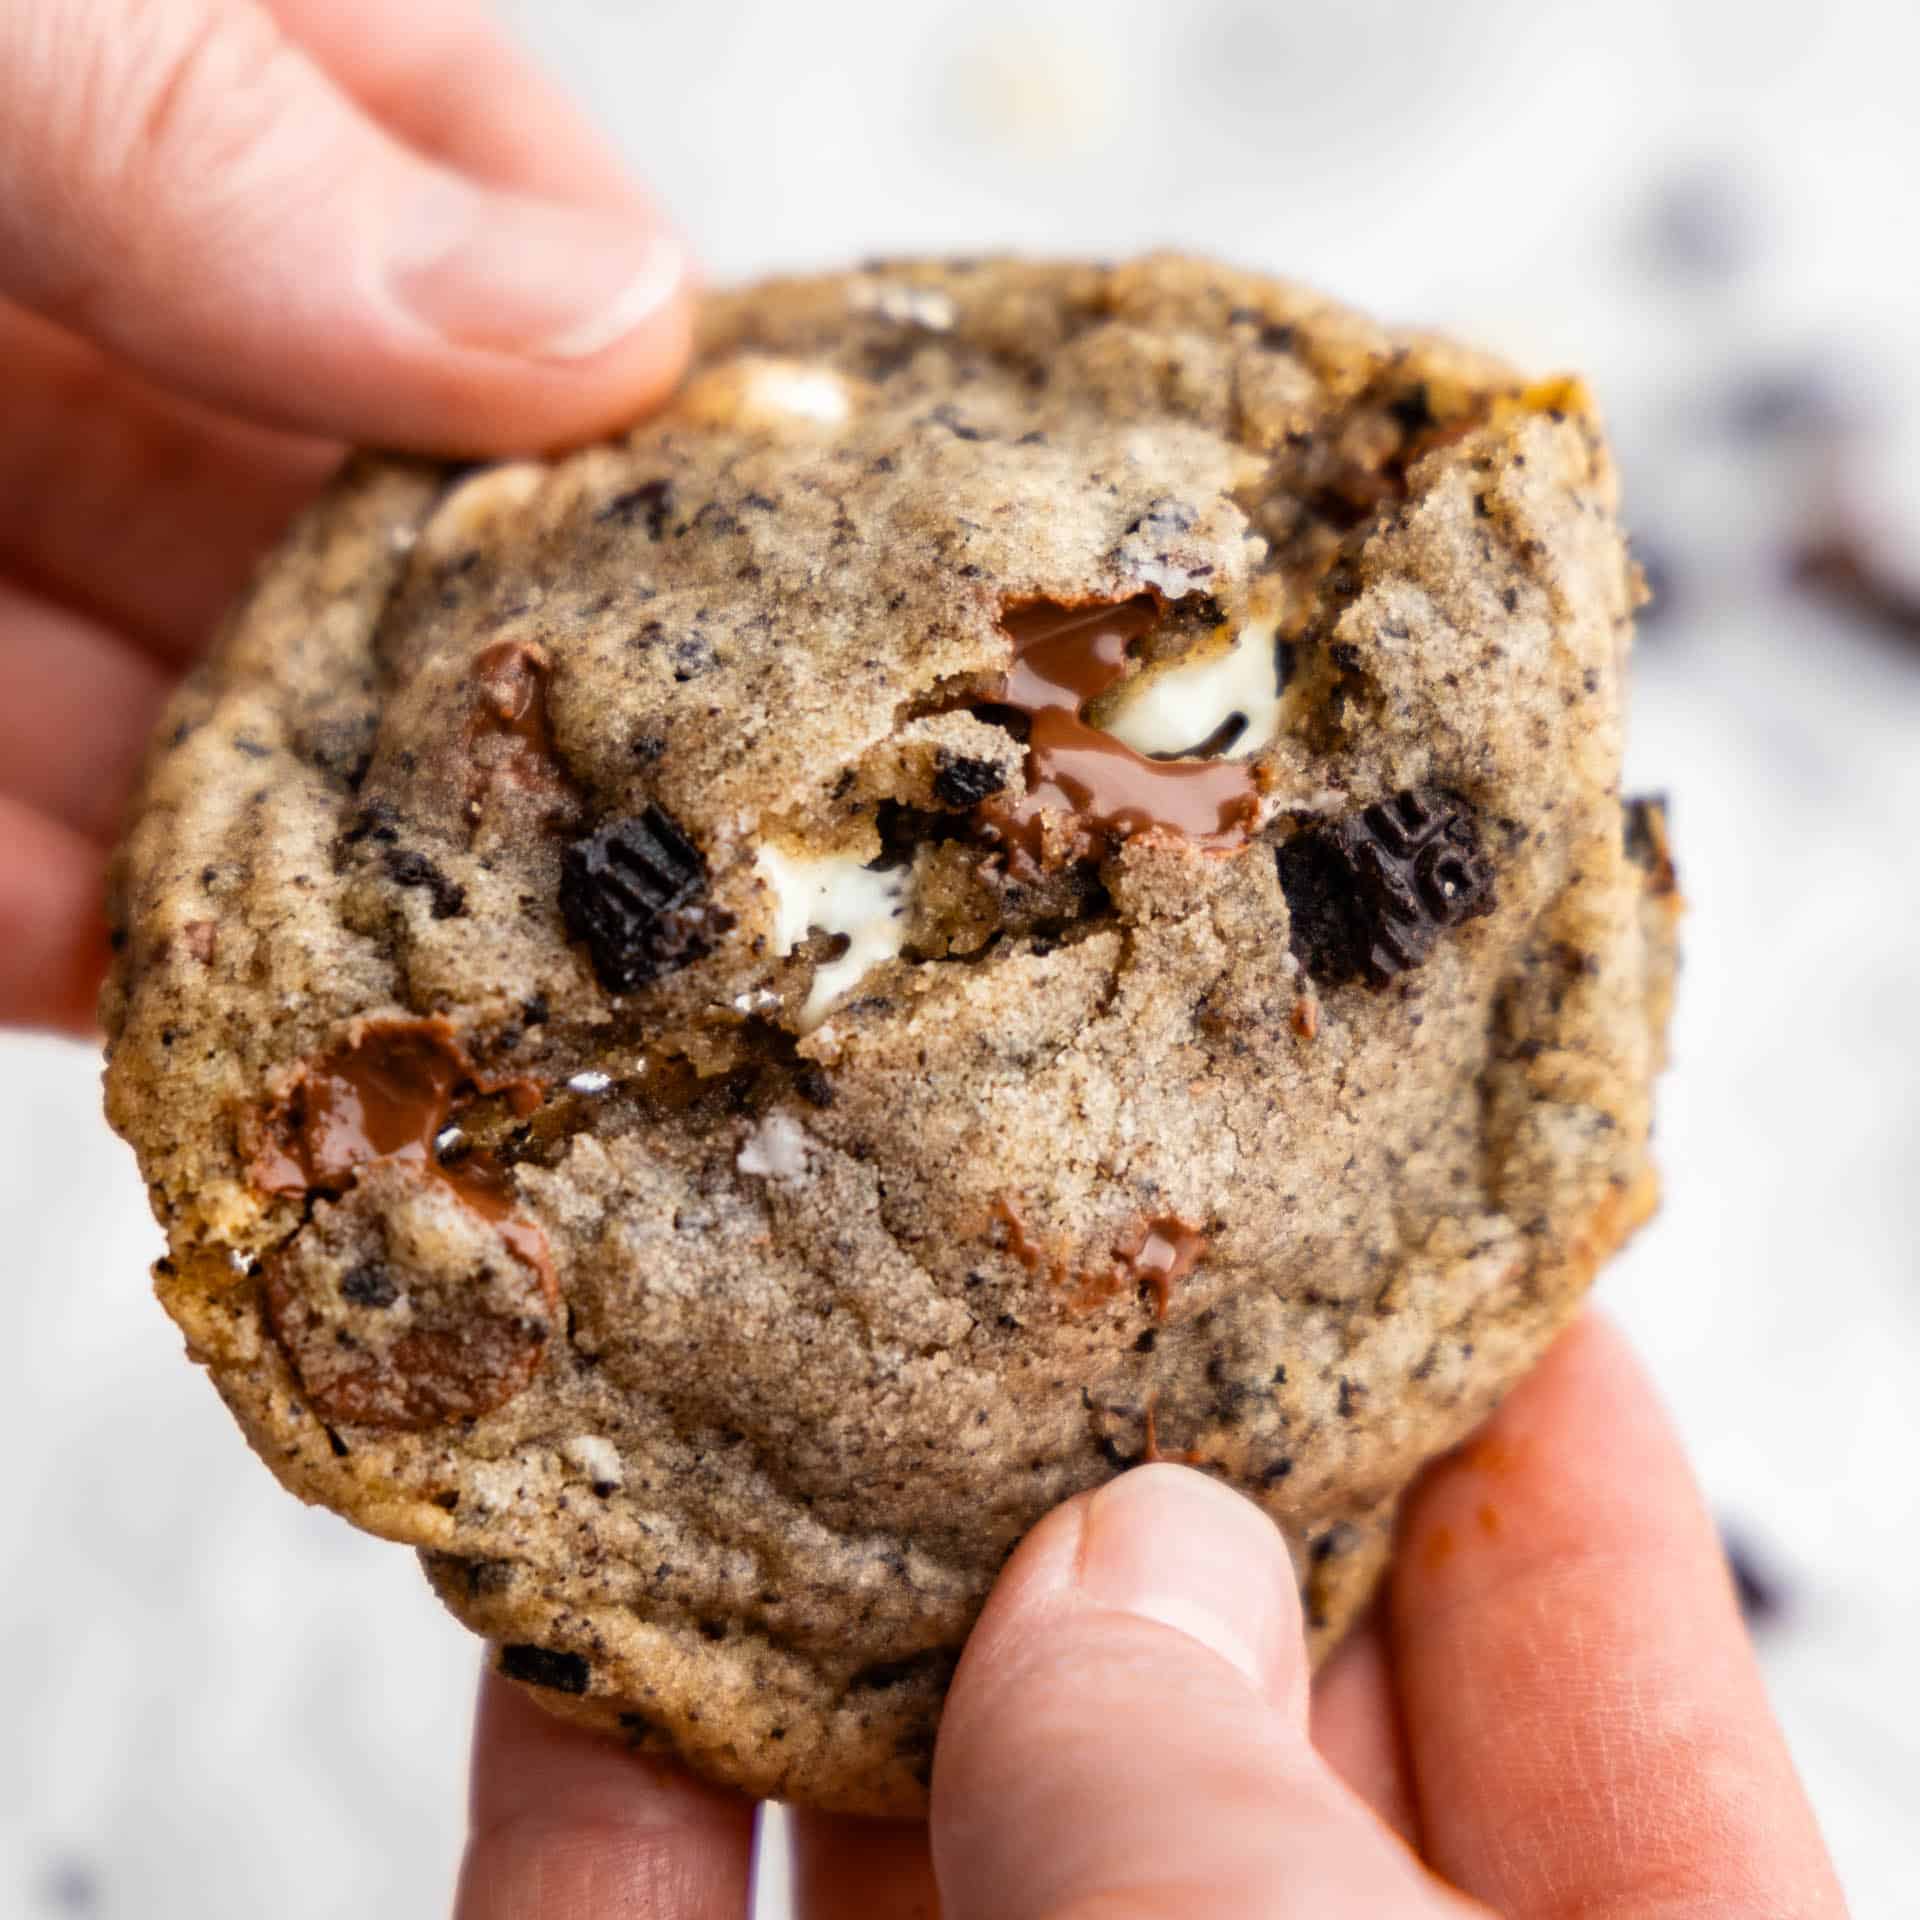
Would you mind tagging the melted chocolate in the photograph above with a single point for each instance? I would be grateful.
(1160, 1253)
(1065, 657)
(1031, 1254)
(1152, 1451)
(510, 737)
(387, 1094)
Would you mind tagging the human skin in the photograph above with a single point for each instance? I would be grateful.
(234, 237)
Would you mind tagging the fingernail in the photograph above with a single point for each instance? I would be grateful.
(509, 274)
(1166, 1544)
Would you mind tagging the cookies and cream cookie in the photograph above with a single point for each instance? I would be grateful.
(1031, 876)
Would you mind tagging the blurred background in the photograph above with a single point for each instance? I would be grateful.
(220, 1705)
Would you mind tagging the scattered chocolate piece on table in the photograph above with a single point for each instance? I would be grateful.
(1846, 571)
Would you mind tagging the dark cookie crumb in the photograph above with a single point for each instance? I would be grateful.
(545, 1667)
(1645, 832)
(369, 1285)
(407, 868)
(1413, 410)
(961, 781)
(936, 1662)
(650, 503)
(811, 1083)
(633, 892)
(377, 820)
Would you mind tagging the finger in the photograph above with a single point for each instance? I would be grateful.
(848, 1869)
(119, 497)
(188, 188)
(505, 122)
(565, 1824)
(1127, 1730)
(1587, 1724)
(1356, 1726)
(53, 929)
(79, 707)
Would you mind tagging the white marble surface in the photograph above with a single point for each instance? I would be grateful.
(223, 1706)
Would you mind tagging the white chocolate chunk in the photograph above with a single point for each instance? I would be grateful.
(908, 306)
(1177, 708)
(835, 893)
(596, 1457)
(475, 509)
(776, 1149)
(763, 394)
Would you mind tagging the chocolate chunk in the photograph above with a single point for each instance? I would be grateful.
(409, 869)
(961, 781)
(1371, 893)
(543, 1667)
(634, 892)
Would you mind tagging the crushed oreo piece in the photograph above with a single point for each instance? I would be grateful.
(651, 502)
(962, 781)
(1645, 832)
(1413, 411)
(935, 1662)
(407, 868)
(378, 820)
(634, 892)
(1371, 893)
(544, 1667)
(813, 1086)
(369, 1285)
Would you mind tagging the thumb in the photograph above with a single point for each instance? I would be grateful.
(1127, 1733)
(188, 187)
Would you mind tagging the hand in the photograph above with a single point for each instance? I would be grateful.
(232, 233)
(1555, 1711)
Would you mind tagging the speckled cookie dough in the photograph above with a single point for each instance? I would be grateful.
(1030, 877)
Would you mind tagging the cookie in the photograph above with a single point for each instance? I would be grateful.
(1031, 877)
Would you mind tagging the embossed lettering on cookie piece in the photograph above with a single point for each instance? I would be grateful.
(1372, 892)
(635, 893)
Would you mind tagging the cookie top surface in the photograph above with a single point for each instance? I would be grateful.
(1031, 874)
